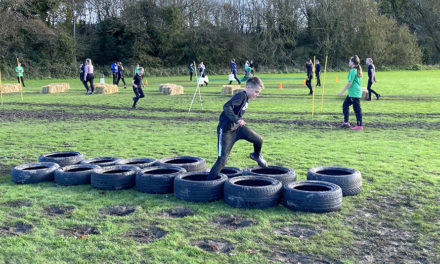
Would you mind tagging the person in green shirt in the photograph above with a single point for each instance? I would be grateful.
(136, 70)
(191, 71)
(19, 70)
(354, 86)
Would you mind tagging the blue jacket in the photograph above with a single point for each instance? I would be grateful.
(114, 67)
(233, 67)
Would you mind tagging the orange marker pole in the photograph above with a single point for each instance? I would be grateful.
(337, 79)
(323, 86)
(314, 88)
(19, 80)
(281, 86)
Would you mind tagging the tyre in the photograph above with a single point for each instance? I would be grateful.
(74, 174)
(312, 196)
(284, 175)
(116, 177)
(34, 172)
(232, 172)
(193, 187)
(350, 180)
(138, 162)
(102, 161)
(157, 179)
(189, 163)
(253, 192)
(62, 158)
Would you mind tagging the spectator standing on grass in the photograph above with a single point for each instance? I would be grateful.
(136, 69)
(19, 70)
(202, 69)
(318, 73)
(81, 77)
(251, 65)
(89, 76)
(371, 79)
(121, 74)
(115, 72)
(191, 71)
(354, 86)
(232, 127)
(234, 71)
(309, 75)
(137, 87)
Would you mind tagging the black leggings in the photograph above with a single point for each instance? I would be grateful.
(139, 94)
(318, 79)
(89, 78)
(309, 83)
(121, 77)
(236, 78)
(370, 90)
(356, 102)
(190, 76)
(227, 139)
(22, 82)
(115, 78)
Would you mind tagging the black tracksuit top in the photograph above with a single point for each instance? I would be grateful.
(233, 110)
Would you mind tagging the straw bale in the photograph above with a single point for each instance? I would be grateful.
(10, 88)
(364, 93)
(229, 89)
(173, 90)
(104, 88)
(55, 88)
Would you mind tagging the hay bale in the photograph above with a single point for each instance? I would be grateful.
(170, 89)
(55, 88)
(364, 94)
(104, 88)
(229, 89)
(10, 88)
(236, 91)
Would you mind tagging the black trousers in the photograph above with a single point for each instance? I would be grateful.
(236, 78)
(115, 78)
(356, 102)
(81, 77)
(318, 79)
(227, 139)
(309, 84)
(121, 77)
(22, 82)
(89, 78)
(370, 90)
(139, 94)
(190, 76)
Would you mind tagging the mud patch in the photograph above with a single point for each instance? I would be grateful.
(284, 257)
(216, 246)
(17, 203)
(16, 230)
(178, 212)
(146, 234)
(233, 221)
(79, 231)
(55, 210)
(298, 231)
(119, 210)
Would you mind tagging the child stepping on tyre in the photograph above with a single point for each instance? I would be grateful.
(232, 127)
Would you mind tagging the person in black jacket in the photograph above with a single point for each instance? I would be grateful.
(137, 87)
(371, 79)
(121, 75)
(81, 77)
(309, 75)
(232, 127)
(318, 73)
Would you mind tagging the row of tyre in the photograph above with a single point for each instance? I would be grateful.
(185, 176)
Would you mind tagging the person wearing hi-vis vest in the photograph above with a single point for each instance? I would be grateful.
(19, 70)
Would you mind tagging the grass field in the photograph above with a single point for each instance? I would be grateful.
(395, 219)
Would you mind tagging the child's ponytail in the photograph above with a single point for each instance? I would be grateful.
(357, 64)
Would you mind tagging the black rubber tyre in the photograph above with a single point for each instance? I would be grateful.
(253, 192)
(189, 163)
(102, 161)
(284, 175)
(193, 187)
(116, 177)
(138, 162)
(74, 174)
(312, 196)
(232, 172)
(157, 179)
(62, 158)
(350, 180)
(34, 172)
